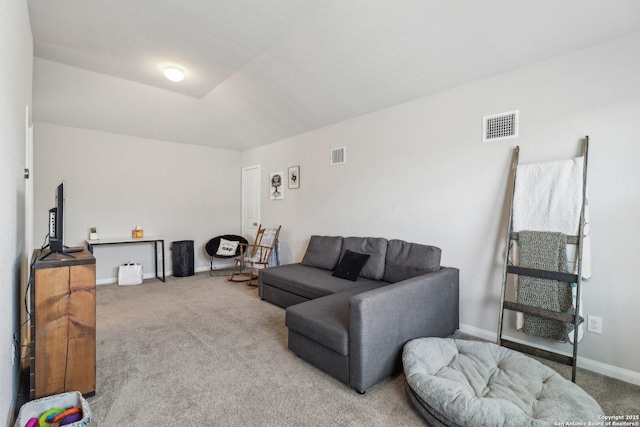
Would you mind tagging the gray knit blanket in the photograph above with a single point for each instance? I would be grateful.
(544, 251)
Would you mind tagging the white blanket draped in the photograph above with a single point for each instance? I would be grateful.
(548, 197)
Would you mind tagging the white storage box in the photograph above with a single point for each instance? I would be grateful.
(130, 274)
(36, 408)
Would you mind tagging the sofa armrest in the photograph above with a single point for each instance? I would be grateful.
(381, 321)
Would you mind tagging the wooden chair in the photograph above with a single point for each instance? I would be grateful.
(255, 256)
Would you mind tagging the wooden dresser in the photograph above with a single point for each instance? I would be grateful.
(63, 324)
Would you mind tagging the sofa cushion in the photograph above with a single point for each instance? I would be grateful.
(351, 265)
(308, 282)
(406, 260)
(323, 252)
(374, 246)
(326, 320)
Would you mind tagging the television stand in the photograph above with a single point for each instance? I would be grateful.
(63, 325)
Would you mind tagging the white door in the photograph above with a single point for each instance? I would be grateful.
(250, 201)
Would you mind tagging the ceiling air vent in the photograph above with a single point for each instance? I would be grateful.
(338, 156)
(500, 126)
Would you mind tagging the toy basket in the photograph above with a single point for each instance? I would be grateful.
(71, 399)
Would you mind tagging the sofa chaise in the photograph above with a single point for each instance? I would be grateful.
(355, 329)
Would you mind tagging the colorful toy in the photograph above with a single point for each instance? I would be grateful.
(43, 418)
(72, 417)
(57, 417)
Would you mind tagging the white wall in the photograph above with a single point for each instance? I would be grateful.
(420, 172)
(116, 182)
(16, 45)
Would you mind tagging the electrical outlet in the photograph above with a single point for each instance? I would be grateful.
(594, 324)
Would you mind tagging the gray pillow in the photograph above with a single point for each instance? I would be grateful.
(406, 260)
(374, 246)
(323, 252)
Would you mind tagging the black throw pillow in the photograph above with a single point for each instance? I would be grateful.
(350, 265)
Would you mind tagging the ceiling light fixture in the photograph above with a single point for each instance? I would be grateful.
(174, 74)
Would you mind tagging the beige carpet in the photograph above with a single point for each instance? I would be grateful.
(202, 351)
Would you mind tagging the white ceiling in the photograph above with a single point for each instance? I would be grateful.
(258, 71)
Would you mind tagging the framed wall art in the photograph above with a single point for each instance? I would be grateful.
(276, 186)
(294, 177)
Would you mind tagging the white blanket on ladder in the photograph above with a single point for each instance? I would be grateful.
(548, 197)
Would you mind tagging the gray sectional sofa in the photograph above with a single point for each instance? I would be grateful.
(355, 329)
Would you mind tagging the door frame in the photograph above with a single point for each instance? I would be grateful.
(244, 196)
(25, 331)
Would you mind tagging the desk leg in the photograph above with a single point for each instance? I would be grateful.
(155, 253)
(163, 278)
(155, 257)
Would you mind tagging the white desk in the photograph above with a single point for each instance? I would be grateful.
(128, 240)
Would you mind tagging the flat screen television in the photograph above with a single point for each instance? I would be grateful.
(57, 225)
(56, 221)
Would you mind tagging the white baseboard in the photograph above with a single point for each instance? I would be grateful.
(152, 275)
(221, 265)
(110, 280)
(589, 364)
(477, 332)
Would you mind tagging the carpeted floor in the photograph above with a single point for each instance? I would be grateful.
(202, 351)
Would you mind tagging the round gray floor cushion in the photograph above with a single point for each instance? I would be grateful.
(470, 383)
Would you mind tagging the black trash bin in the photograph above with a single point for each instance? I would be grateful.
(182, 258)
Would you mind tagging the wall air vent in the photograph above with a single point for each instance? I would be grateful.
(338, 156)
(500, 126)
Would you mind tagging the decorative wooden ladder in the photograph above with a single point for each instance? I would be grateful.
(551, 275)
